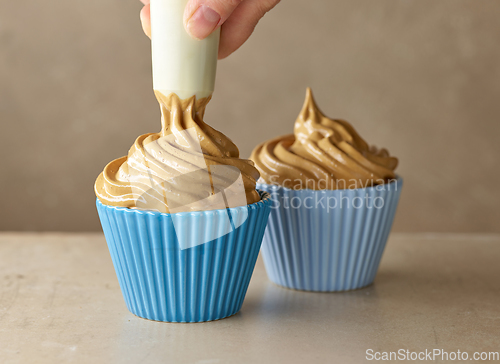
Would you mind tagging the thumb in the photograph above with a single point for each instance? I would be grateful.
(202, 17)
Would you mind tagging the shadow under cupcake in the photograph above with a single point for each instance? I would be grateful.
(334, 199)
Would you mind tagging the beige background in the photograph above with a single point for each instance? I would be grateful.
(420, 77)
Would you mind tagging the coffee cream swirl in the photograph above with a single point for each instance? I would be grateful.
(187, 166)
(322, 153)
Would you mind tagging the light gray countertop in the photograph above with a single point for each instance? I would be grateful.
(60, 302)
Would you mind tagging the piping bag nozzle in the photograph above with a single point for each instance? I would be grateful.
(181, 64)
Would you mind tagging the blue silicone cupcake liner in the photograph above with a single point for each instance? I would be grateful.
(164, 279)
(322, 246)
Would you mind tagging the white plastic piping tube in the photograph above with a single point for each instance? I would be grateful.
(181, 64)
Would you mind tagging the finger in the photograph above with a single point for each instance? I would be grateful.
(202, 17)
(145, 2)
(241, 24)
(146, 20)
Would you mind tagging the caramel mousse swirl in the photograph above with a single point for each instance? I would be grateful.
(187, 166)
(322, 153)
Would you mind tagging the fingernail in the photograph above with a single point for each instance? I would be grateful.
(202, 22)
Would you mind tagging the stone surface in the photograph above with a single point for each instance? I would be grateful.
(60, 302)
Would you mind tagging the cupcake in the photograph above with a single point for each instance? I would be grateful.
(333, 203)
(182, 218)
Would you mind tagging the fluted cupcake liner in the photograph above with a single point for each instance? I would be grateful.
(165, 279)
(328, 240)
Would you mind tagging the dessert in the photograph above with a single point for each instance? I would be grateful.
(322, 153)
(334, 199)
(182, 218)
(187, 166)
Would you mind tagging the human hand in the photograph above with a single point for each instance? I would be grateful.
(237, 18)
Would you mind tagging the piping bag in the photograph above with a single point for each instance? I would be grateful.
(181, 64)
(187, 67)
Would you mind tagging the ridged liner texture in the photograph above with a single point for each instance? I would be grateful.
(162, 282)
(322, 249)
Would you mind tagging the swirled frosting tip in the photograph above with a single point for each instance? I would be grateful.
(323, 153)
